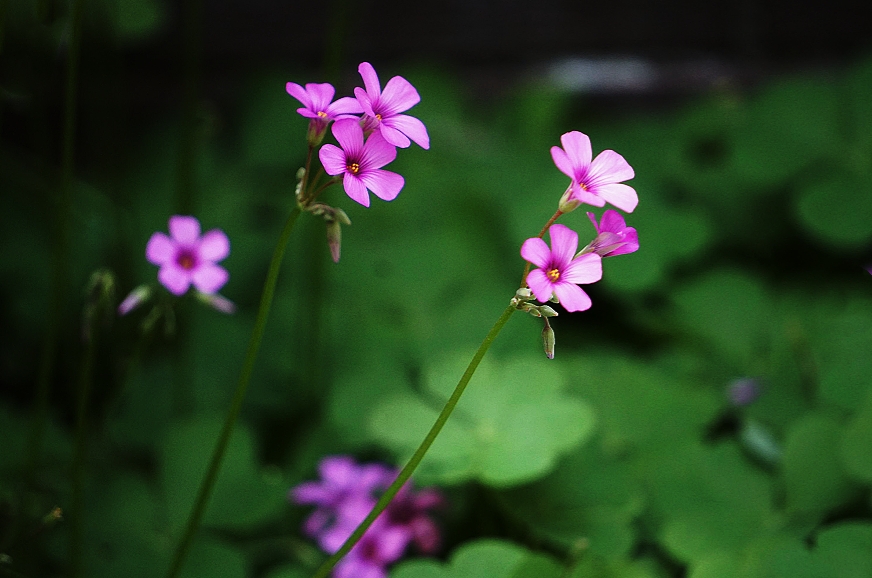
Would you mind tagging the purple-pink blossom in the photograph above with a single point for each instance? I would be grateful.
(186, 258)
(360, 163)
(594, 183)
(382, 109)
(345, 495)
(318, 105)
(559, 271)
(613, 236)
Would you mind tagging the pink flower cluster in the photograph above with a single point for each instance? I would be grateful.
(345, 495)
(368, 128)
(560, 270)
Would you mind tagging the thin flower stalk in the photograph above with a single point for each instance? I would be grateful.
(419, 454)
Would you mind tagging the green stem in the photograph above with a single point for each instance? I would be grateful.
(419, 454)
(208, 481)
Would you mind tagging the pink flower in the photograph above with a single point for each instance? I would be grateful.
(379, 546)
(613, 237)
(595, 183)
(361, 163)
(318, 106)
(187, 258)
(560, 271)
(345, 495)
(382, 109)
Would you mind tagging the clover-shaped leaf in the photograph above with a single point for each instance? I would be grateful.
(491, 558)
(510, 426)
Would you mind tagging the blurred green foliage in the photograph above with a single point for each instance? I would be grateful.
(622, 458)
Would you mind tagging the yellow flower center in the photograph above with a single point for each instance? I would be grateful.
(322, 114)
(353, 168)
(553, 274)
(378, 117)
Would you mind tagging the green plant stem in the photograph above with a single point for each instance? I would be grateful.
(208, 482)
(419, 454)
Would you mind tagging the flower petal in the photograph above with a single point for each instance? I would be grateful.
(612, 222)
(391, 542)
(349, 134)
(587, 197)
(393, 136)
(214, 245)
(540, 285)
(398, 96)
(585, 268)
(364, 100)
(592, 218)
(411, 127)
(564, 243)
(321, 95)
(386, 185)
(209, 278)
(376, 153)
(343, 106)
(572, 297)
(622, 196)
(536, 252)
(338, 470)
(577, 147)
(160, 249)
(370, 80)
(174, 278)
(333, 159)
(629, 243)
(609, 167)
(355, 189)
(563, 163)
(312, 493)
(184, 229)
(299, 93)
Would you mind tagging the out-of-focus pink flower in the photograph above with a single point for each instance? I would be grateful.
(382, 109)
(346, 494)
(595, 183)
(318, 105)
(185, 257)
(613, 236)
(559, 270)
(382, 544)
(360, 164)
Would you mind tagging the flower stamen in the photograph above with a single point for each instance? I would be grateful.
(353, 168)
(553, 274)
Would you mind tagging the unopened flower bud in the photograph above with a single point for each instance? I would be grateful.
(217, 302)
(568, 203)
(334, 239)
(136, 298)
(547, 311)
(524, 294)
(548, 339)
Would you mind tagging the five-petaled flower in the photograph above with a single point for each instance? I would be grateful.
(595, 183)
(318, 105)
(382, 109)
(559, 270)
(613, 236)
(185, 257)
(360, 163)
